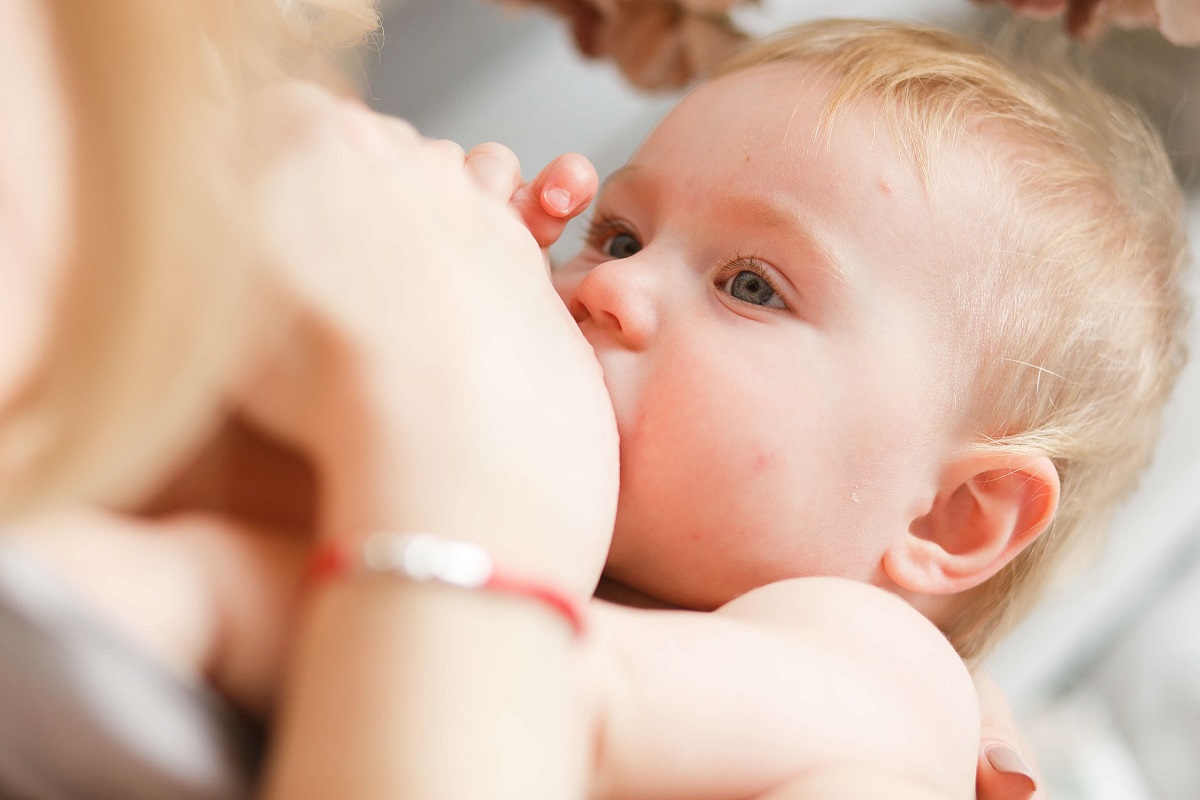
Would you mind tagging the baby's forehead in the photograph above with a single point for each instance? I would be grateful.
(959, 162)
(845, 148)
(919, 123)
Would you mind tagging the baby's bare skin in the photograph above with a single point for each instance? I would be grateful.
(789, 680)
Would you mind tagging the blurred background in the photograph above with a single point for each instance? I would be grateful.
(1105, 677)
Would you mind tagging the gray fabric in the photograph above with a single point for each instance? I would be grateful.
(84, 713)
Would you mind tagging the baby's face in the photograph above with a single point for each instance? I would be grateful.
(760, 302)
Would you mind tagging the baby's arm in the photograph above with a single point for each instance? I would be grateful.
(788, 683)
(858, 782)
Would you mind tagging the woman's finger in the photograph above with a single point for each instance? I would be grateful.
(1003, 774)
(1039, 9)
(1083, 19)
(1003, 771)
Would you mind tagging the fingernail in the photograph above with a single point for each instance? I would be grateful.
(1005, 759)
(558, 199)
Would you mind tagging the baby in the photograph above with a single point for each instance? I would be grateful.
(874, 307)
(886, 326)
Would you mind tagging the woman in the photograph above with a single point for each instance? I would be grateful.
(137, 272)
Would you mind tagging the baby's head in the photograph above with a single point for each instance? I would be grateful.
(871, 304)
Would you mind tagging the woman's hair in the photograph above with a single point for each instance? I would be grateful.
(152, 319)
(1070, 320)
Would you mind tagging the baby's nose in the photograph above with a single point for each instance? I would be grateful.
(619, 296)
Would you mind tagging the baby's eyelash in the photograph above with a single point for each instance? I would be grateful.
(601, 227)
(736, 263)
(732, 265)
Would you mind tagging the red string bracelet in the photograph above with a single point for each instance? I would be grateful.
(425, 557)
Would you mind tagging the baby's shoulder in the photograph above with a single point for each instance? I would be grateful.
(871, 627)
(847, 611)
(919, 686)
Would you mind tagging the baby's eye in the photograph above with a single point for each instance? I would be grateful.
(750, 287)
(613, 237)
(621, 245)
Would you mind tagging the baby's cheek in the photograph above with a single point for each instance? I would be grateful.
(723, 455)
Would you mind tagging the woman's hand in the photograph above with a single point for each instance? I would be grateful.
(1003, 773)
(429, 365)
(1177, 20)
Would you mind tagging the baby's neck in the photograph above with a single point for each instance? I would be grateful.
(622, 595)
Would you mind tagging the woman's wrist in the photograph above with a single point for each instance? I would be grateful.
(421, 557)
(441, 677)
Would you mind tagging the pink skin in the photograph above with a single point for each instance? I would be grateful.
(562, 190)
(763, 443)
(708, 509)
(1039, 9)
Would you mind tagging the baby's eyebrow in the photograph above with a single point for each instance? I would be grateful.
(756, 210)
(618, 175)
(763, 213)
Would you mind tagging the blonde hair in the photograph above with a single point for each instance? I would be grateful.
(152, 321)
(1071, 319)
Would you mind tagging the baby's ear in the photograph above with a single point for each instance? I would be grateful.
(988, 508)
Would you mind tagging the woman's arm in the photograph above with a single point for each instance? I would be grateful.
(419, 691)
(1003, 773)
(441, 387)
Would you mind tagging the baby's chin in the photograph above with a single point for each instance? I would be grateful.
(614, 591)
